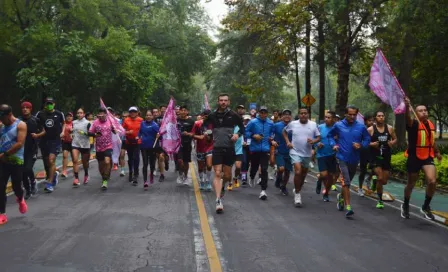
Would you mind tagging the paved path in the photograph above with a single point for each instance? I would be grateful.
(172, 228)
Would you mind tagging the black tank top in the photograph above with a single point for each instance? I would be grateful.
(382, 138)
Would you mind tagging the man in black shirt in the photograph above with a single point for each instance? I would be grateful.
(183, 157)
(53, 122)
(223, 121)
(421, 151)
(34, 127)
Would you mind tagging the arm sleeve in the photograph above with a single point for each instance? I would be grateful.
(331, 134)
(365, 138)
(92, 129)
(248, 131)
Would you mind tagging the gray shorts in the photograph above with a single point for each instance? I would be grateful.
(348, 171)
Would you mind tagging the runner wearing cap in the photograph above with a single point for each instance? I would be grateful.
(132, 126)
(81, 145)
(304, 135)
(102, 130)
(223, 121)
(259, 130)
(183, 156)
(204, 149)
(30, 152)
(282, 158)
(12, 147)
(53, 122)
(241, 110)
(67, 139)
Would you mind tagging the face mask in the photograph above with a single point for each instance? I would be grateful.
(49, 107)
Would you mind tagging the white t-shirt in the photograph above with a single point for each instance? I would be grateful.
(300, 134)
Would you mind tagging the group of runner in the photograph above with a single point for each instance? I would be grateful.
(224, 139)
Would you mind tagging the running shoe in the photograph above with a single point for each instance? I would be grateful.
(340, 202)
(55, 179)
(326, 198)
(201, 185)
(162, 178)
(145, 185)
(3, 219)
(349, 212)
(244, 184)
(237, 183)
(76, 183)
(219, 206)
(318, 186)
(64, 174)
(405, 211)
(284, 191)
(263, 195)
(252, 182)
(427, 213)
(380, 204)
(259, 181)
(48, 188)
(86, 180)
(297, 199)
(134, 182)
(186, 181)
(122, 173)
(115, 167)
(230, 187)
(334, 188)
(209, 186)
(361, 192)
(104, 185)
(23, 208)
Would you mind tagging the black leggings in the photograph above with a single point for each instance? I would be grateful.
(260, 159)
(133, 158)
(15, 172)
(28, 177)
(149, 156)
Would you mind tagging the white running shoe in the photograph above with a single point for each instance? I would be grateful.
(297, 199)
(361, 192)
(263, 195)
(180, 179)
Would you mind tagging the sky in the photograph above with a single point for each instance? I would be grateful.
(217, 10)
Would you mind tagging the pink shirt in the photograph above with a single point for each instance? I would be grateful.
(103, 142)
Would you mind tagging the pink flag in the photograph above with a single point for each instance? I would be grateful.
(169, 132)
(114, 122)
(207, 106)
(360, 118)
(385, 85)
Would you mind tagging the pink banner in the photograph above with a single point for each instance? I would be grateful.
(114, 122)
(207, 106)
(169, 132)
(360, 118)
(385, 85)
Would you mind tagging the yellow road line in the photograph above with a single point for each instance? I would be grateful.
(212, 253)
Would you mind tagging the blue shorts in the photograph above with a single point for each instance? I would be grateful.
(304, 161)
(327, 163)
(283, 160)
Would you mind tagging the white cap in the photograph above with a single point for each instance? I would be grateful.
(133, 108)
(246, 117)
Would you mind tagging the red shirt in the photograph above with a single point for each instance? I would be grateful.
(134, 125)
(202, 146)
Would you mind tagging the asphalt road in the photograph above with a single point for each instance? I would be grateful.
(166, 229)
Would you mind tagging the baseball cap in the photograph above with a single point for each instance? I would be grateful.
(263, 108)
(337, 116)
(246, 117)
(286, 111)
(27, 104)
(177, 107)
(133, 108)
(240, 107)
(69, 113)
(49, 100)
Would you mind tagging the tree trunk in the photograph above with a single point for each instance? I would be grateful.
(344, 48)
(296, 70)
(406, 61)
(441, 130)
(321, 62)
(308, 61)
